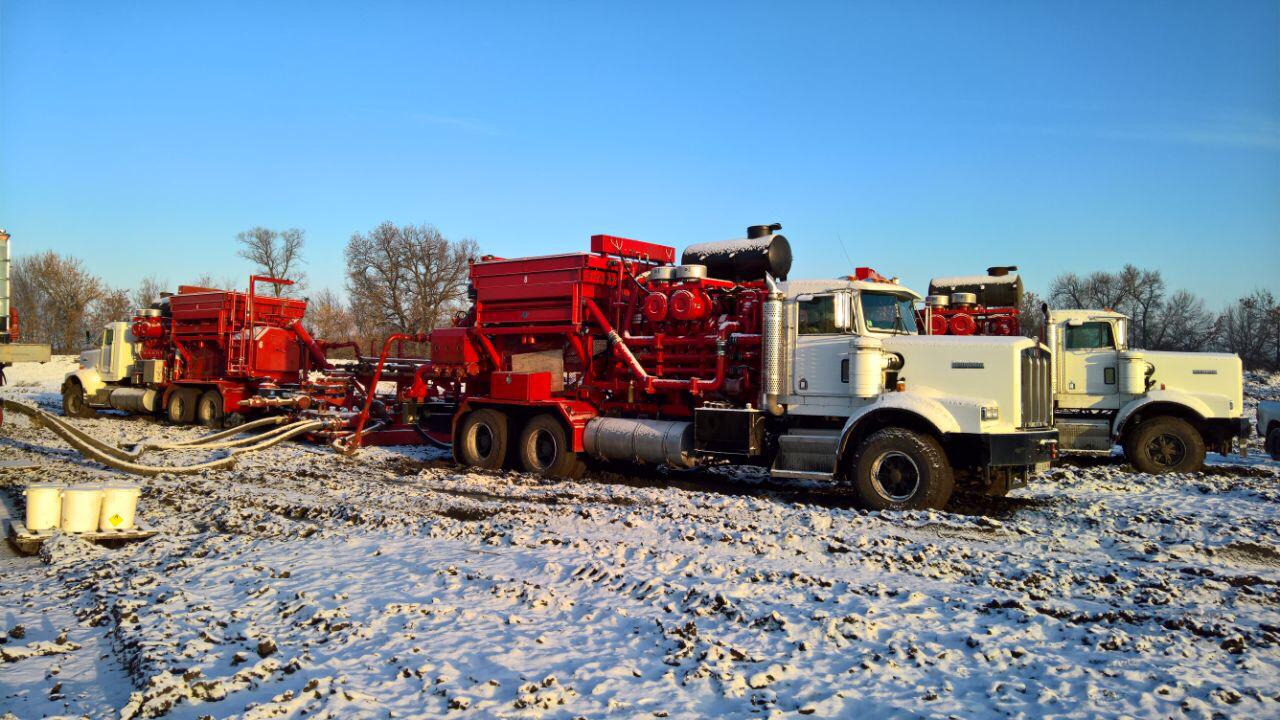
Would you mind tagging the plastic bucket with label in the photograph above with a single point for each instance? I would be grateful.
(119, 506)
(81, 506)
(44, 506)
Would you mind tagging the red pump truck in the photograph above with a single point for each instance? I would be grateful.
(200, 355)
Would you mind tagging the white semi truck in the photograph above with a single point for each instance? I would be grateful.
(1164, 409)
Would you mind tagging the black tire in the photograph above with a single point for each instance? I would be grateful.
(1165, 444)
(897, 469)
(209, 410)
(1273, 443)
(544, 449)
(182, 406)
(74, 402)
(483, 440)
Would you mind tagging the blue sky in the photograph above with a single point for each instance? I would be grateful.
(932, 138)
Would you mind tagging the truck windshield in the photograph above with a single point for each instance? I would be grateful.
(892, 313)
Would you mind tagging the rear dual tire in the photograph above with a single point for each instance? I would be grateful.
(543, 447)
(483, 440)
(181, 409)
(209, 410)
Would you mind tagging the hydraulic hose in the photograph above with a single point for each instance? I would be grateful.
(99, 452)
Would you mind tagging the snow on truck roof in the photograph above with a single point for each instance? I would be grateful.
(807, 287)
(957, 280)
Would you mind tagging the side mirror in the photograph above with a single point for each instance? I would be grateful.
(842, 312)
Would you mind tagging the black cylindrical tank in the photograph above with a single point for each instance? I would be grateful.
(1002, 290)
(762, 251)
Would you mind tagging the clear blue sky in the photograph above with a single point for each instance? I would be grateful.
(933, 138)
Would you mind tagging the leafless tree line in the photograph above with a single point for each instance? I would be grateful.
(400, 278)
(1177, 320)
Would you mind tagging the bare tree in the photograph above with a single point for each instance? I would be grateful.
(276, 254)
(329, 318)
(406, 279)
(1031, 314)
(207, 280)
(113, 306)
(148, 291)
(1249, 328)
(1159, 321)
(1184, 324)
(54, 296)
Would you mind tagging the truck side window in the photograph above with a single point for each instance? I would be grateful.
(817, 316)
(106, 339)
(1089, 336)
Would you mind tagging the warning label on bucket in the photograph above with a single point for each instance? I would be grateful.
(115, 520)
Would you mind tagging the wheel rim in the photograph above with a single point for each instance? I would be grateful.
(545, 449)
(484, 441)
(73, 401)
(895, 476)
(1166, 450)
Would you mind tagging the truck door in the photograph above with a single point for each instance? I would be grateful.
(819, 375)
(1089, 358)
(106, 360)
(117, 354)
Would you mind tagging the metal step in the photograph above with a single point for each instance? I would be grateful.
(1084, 433)
(806, 454)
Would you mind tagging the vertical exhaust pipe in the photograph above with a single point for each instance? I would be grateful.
(774, 351)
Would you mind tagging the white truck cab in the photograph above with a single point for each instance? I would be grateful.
(1165, 409)
(901, 414)
(103, 378)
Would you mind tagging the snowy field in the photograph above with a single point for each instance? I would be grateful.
(303, 584)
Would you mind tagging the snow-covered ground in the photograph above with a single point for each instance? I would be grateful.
(393, 585)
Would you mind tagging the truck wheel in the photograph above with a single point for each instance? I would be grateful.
(182, 406)
(1165, 444)
(1273, 443)
(74, 403)
(484, 439)
(544, 449)
(897, 469)
(209, 409)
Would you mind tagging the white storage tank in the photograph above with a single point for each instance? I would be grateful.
(119, 507)
(81, 506)
(44, 506)
(1133, 373)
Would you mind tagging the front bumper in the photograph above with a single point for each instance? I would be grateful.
(1019, 449)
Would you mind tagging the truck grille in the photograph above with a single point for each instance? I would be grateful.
(1037, 388)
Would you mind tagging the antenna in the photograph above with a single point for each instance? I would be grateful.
(852, 270)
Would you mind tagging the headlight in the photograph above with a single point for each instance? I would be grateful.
(990, 412)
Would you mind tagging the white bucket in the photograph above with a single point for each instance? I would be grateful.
(119, 505)
(81, 506)
(44, 506)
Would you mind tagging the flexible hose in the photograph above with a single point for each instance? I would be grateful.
(260, 422)
(105, 454)
(204, 444)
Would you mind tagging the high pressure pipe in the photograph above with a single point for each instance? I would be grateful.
(372, 390)
(650, 383)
